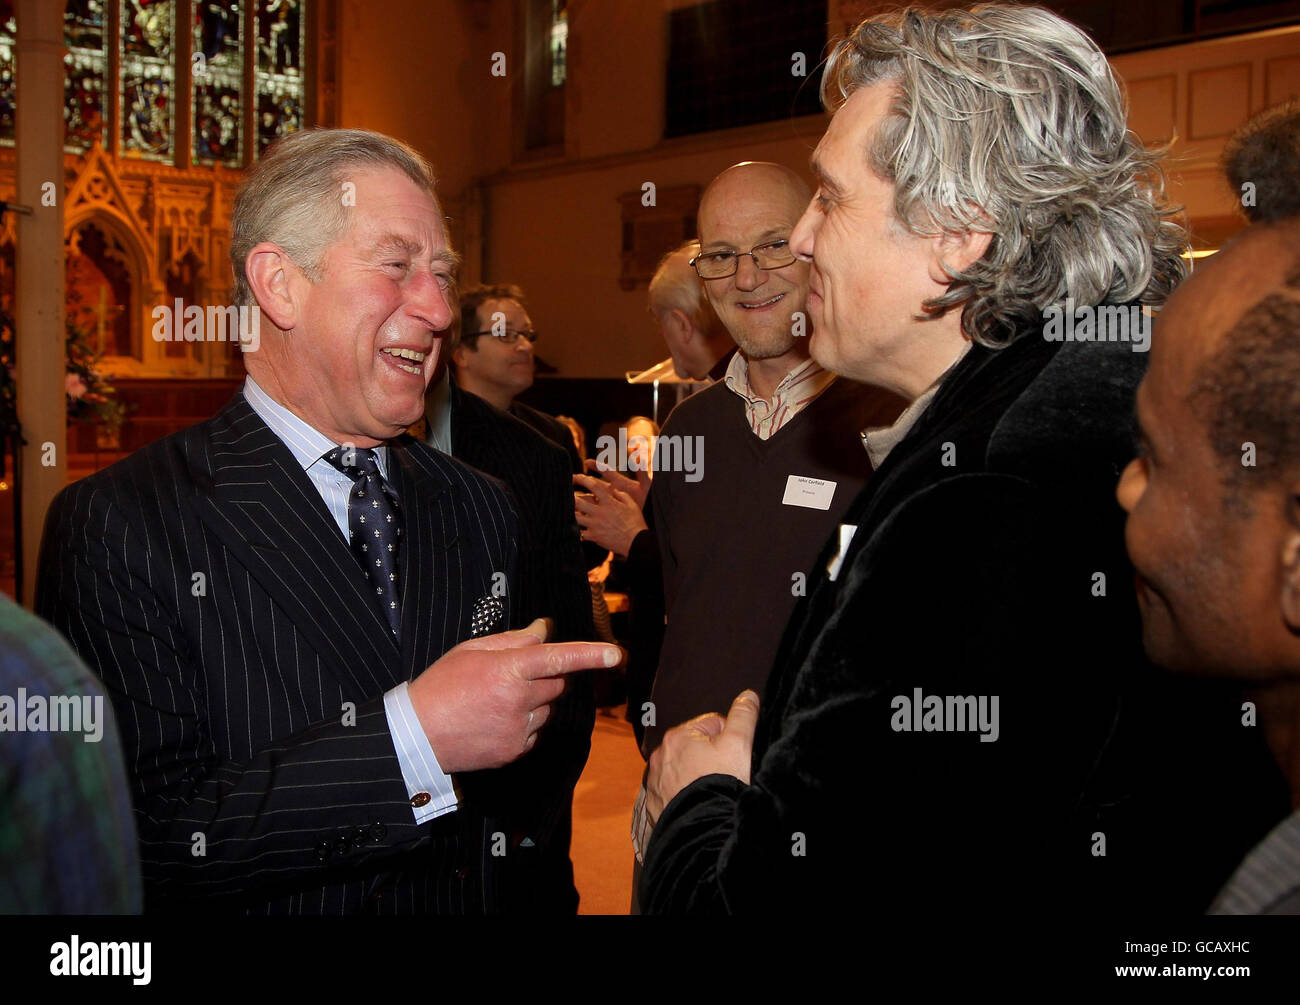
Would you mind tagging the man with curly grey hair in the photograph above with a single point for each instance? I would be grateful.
(958, 714)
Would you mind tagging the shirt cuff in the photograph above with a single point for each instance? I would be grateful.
(430, 788)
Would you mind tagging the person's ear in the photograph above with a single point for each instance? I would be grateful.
(1290, 598)
(460, 355)
(959, 251)
(271, 274)
(681, 326)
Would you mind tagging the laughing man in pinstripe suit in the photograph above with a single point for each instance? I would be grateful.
(303, 732)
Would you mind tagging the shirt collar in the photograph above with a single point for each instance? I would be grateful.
(737, 378)
(307, 444)
(437, 414)
(879, 441)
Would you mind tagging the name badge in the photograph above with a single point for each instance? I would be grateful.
(847, 530)
(811, 493)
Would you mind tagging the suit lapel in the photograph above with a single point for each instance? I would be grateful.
(253, 495)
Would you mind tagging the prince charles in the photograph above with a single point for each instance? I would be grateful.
(279, 599)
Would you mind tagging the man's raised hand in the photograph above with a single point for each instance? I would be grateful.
(608, 516)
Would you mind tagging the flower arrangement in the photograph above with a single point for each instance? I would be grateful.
(89, 391)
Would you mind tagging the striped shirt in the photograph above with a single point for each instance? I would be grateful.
(1268, 881)
(420, 769)
(797, 389)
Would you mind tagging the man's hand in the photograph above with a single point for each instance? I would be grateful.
(706, 745)
(483, 702)
(638, 489)
(608, 515)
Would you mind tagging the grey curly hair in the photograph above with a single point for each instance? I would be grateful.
(1009, 120)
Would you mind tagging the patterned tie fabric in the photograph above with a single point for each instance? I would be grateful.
(488, 616)
(374, 526)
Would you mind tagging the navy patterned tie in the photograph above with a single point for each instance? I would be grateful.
(374, 526)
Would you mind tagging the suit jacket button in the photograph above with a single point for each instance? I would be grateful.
(323, 850)
(462, 872)
(420, 799)
(360, 836)
(378, 832)
(343, 846)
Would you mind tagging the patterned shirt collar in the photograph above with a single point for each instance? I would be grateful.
(796, 390)
(307, 444)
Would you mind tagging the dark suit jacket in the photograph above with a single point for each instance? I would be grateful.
(536, 793)
(203, 579)
(972, 572)
(550, 427)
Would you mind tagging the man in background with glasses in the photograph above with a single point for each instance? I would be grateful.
(493, 358)
(780, 443)
(474, 419)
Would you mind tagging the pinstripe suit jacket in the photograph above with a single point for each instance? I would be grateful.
(205, 582)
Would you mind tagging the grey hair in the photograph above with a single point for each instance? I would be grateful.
(1009, 120)
(294, 195)
(675, 286)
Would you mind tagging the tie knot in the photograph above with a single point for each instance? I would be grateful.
(354, 461)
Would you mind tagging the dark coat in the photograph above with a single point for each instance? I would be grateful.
(233, 692)
(975, 570)
(536, 793)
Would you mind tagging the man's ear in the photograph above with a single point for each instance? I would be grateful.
(269, 271)
(458, 357)
(958, 251)
(681, 326)
(1290, 598)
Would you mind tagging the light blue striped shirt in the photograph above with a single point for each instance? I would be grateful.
(420, 769)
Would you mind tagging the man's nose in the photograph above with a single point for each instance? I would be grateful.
(801, 238)
(1131, 483)
(429, 302)
(748, 275)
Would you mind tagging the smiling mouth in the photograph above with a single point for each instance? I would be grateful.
(410, 360)
(765, 303)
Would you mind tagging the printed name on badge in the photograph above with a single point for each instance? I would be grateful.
(812, 493)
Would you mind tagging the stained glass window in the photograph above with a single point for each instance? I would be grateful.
(85, 72)
(125, 71)
(8, 33)
(146, 102)
(559, 41)
(218, 69)
(278, 69)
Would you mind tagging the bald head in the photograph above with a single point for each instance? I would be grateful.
(754, 179)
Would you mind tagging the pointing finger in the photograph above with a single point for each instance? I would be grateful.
(567, 657)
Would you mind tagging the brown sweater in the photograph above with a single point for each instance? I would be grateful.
(731, 548)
